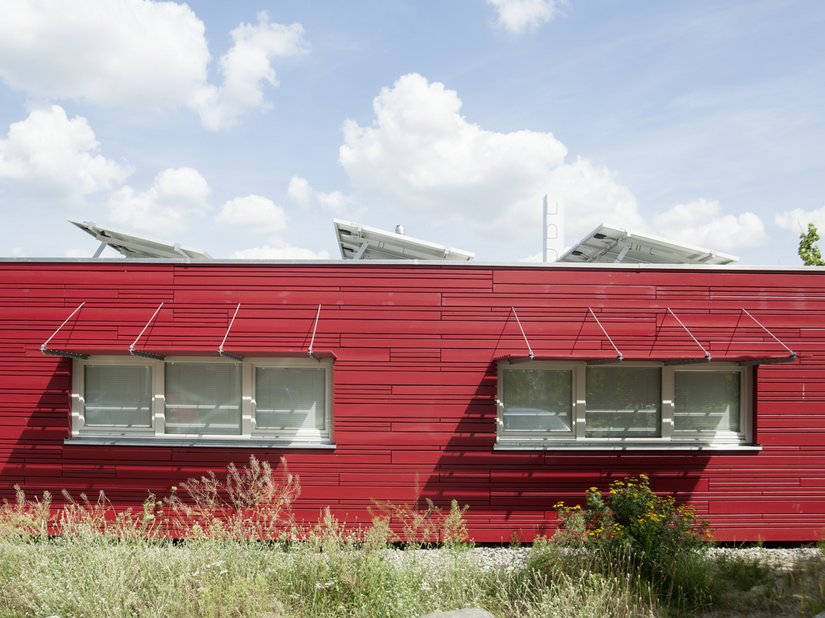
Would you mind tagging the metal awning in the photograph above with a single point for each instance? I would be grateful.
(139, 346)
(703, 354)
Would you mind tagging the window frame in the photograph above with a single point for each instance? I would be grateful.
(668, 437)
(298, 435)
(156, 433)
(745, 433)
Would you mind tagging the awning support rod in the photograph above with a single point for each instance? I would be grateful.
(314, 330)
(221, 352)
(791, 353)
(135, 352)
(695, 340)
(523, 334)
(619, 356)
(45, 347)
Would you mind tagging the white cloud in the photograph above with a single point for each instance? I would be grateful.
(175, 195)
(702, 222)
(279, 252)
(259, 214)
(18, 252)
(254, 212)
(334, 200)
(797, 220)
(301, 192)
(590, 196)
(138, 53)
(50, 155)
(516, 16)
(421, 155)
(245, 68)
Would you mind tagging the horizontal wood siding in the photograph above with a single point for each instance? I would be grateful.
(415, 350)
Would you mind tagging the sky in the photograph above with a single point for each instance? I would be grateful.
(244, 128)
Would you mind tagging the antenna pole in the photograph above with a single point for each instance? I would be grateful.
(544, 228)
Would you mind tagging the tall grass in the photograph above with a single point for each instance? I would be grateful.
(238, 552)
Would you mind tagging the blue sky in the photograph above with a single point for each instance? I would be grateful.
(244, 128)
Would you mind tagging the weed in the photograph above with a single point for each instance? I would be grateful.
(250, 503)
(424, 526)
(24, 518)
(89, 559)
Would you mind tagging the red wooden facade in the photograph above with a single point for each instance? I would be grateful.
(416, 348)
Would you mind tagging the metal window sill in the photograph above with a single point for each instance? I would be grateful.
(650, 446)
(196, 442)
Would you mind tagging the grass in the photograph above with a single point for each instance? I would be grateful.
(246, 557)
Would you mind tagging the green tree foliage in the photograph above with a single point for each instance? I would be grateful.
(808, 250)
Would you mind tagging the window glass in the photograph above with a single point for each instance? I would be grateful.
(290, 398)
(538, 399)
(706, 401)
(623, 402)
(118, 395)
(203, 398)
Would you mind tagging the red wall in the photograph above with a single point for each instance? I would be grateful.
(415, 380)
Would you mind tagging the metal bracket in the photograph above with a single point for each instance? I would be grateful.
(221, 351)
(314, 330)
(44, 348)
(619, 356)
(521, 328)
(792, 356)
(361, 250)
(135, 352)
(707, 358)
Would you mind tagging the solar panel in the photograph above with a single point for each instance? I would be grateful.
(360, 242)
(131, 245)
(610, 244)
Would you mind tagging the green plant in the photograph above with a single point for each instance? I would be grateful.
(808, 250)
(631, 516)
(643, 532)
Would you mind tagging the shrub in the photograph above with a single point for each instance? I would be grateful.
(638, 530)
(632, 517)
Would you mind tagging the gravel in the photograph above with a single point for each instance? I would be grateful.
(782, 558)
(512, 559)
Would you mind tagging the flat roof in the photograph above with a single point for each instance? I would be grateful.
(420, 264)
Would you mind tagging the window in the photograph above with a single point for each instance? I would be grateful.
(543, 402)
(280, 400)
(711, 404)
(203, 398)
(290, 399)
(118, 395)
(623, 402)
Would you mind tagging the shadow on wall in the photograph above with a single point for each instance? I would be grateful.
(511, 493)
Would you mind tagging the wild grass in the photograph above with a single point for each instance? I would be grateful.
(238, 552)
